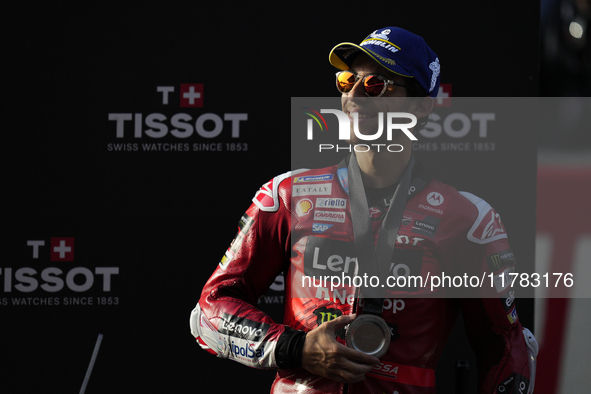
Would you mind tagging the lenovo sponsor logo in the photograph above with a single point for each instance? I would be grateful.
(240, 327)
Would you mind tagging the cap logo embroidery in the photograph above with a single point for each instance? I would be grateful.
(381, 43)
(384, 59)
(436, 68)
(383, 35)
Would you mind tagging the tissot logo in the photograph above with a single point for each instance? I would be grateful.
(189, 131)
(62, 249)
(40, 280)
(443, 98)
(191, 95)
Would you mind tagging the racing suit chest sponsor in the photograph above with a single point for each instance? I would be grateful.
(325, 256)
(328, 203)
(311, 189)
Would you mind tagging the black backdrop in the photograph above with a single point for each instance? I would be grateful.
(160, 220)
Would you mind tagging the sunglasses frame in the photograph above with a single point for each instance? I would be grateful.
(358, 77)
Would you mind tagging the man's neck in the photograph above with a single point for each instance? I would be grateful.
(382, 169)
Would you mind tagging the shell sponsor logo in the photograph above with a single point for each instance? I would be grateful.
(303, 207)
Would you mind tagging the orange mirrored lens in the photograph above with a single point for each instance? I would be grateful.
(373, 85)
(345, 81)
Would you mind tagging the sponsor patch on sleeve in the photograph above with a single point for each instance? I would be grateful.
(246, 341)
(500, 260)
(267, 197)
(488, 226)
(512, 316)
(244, 225)
(516, 383)
(241, 327)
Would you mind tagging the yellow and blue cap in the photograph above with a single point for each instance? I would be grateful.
(397, 50)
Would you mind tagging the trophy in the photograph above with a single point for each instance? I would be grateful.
(369, 334)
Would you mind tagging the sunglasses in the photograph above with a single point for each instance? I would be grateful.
(374, 84)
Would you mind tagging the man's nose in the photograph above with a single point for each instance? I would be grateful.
(358, 89)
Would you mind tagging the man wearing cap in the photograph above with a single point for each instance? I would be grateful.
(375, 212)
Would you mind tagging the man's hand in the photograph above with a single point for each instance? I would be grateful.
(324, 356)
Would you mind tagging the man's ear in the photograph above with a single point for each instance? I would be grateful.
(423, 106)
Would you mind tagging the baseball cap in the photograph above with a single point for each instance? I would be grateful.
(398, 50)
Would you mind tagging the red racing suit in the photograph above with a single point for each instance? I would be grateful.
(300, 223)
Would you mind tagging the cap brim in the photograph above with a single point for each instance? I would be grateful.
(341, 64)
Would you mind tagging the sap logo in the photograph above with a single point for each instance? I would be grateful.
(320, 228)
